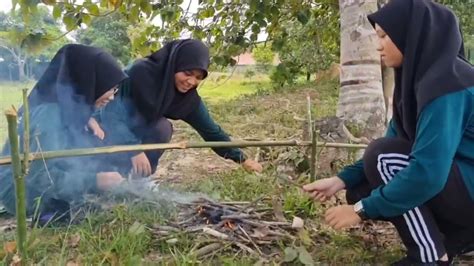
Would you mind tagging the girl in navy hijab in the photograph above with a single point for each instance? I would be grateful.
(79, 80)
(163, 86)
(420, 176)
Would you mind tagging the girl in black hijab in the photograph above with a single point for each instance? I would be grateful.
(79, 80)
(420, 176)
(163, 86)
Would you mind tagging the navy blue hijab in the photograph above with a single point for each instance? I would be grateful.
(429, 37)
(153, 85)
(75, 78)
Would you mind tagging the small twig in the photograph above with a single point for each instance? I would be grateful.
(194, 229)
(252, 204)
(275, 223)
(207, 249)
(239, 216)
(214, 233)
(246, 248)
(235, 202)
(165, 228)
(252, 222)
(250, 239)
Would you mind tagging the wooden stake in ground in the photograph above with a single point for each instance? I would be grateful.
(314, 142)
(26, 133)
(19, 181)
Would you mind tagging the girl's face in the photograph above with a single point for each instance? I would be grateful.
(389, 53)
(187, 80)
(108, 96)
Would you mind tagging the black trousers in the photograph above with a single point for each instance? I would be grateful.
(444, 224)
(159, 132)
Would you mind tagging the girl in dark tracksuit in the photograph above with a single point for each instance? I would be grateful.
(420, 176)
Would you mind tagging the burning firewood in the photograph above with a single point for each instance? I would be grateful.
(245, 226)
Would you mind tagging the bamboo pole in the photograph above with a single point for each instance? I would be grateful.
(19, 182)
(26, 133)
(182, 145)
(312, 134)
(310, 117)
(314, 148)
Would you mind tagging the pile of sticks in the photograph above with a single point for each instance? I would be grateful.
(248, 227)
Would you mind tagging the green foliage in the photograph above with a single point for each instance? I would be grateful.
(309, 47)
(40, 32)
(21, 43)
(464, 10)
(229, 28)
(264, 56)
(110, 33)
(284, 73)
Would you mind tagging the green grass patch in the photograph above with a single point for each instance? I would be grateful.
(220, 87)
(10, 94)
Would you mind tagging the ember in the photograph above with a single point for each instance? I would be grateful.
(246, 226)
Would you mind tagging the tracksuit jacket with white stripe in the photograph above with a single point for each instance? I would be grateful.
(444, 135)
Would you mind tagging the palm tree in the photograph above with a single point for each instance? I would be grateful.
(361, 99)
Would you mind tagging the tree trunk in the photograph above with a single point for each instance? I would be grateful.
(361, 101)
(308, 76)
(388, 78)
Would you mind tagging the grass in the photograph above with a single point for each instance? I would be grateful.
(10, 94)
(247, 109)
(220, 87)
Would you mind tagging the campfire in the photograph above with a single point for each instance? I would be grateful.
(250, 227)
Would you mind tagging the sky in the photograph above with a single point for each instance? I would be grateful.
(5, 5)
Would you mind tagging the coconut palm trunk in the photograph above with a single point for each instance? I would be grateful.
(361, 98)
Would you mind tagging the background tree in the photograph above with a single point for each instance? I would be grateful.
(37, 41)
(464, 10)
(110, 33)
(263, 56)
(311, 45)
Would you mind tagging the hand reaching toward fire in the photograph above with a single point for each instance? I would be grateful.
(325, 188)
(93, 125)
(108, 180)
(338, 217)
(342, 216)
(141, 165)
(252, 166)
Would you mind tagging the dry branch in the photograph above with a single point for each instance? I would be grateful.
(234, 225)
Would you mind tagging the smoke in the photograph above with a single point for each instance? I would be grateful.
(60, 124)
(146, 189)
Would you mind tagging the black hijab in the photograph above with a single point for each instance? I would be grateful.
(153, 85)
(76, 77)
(429, 37)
